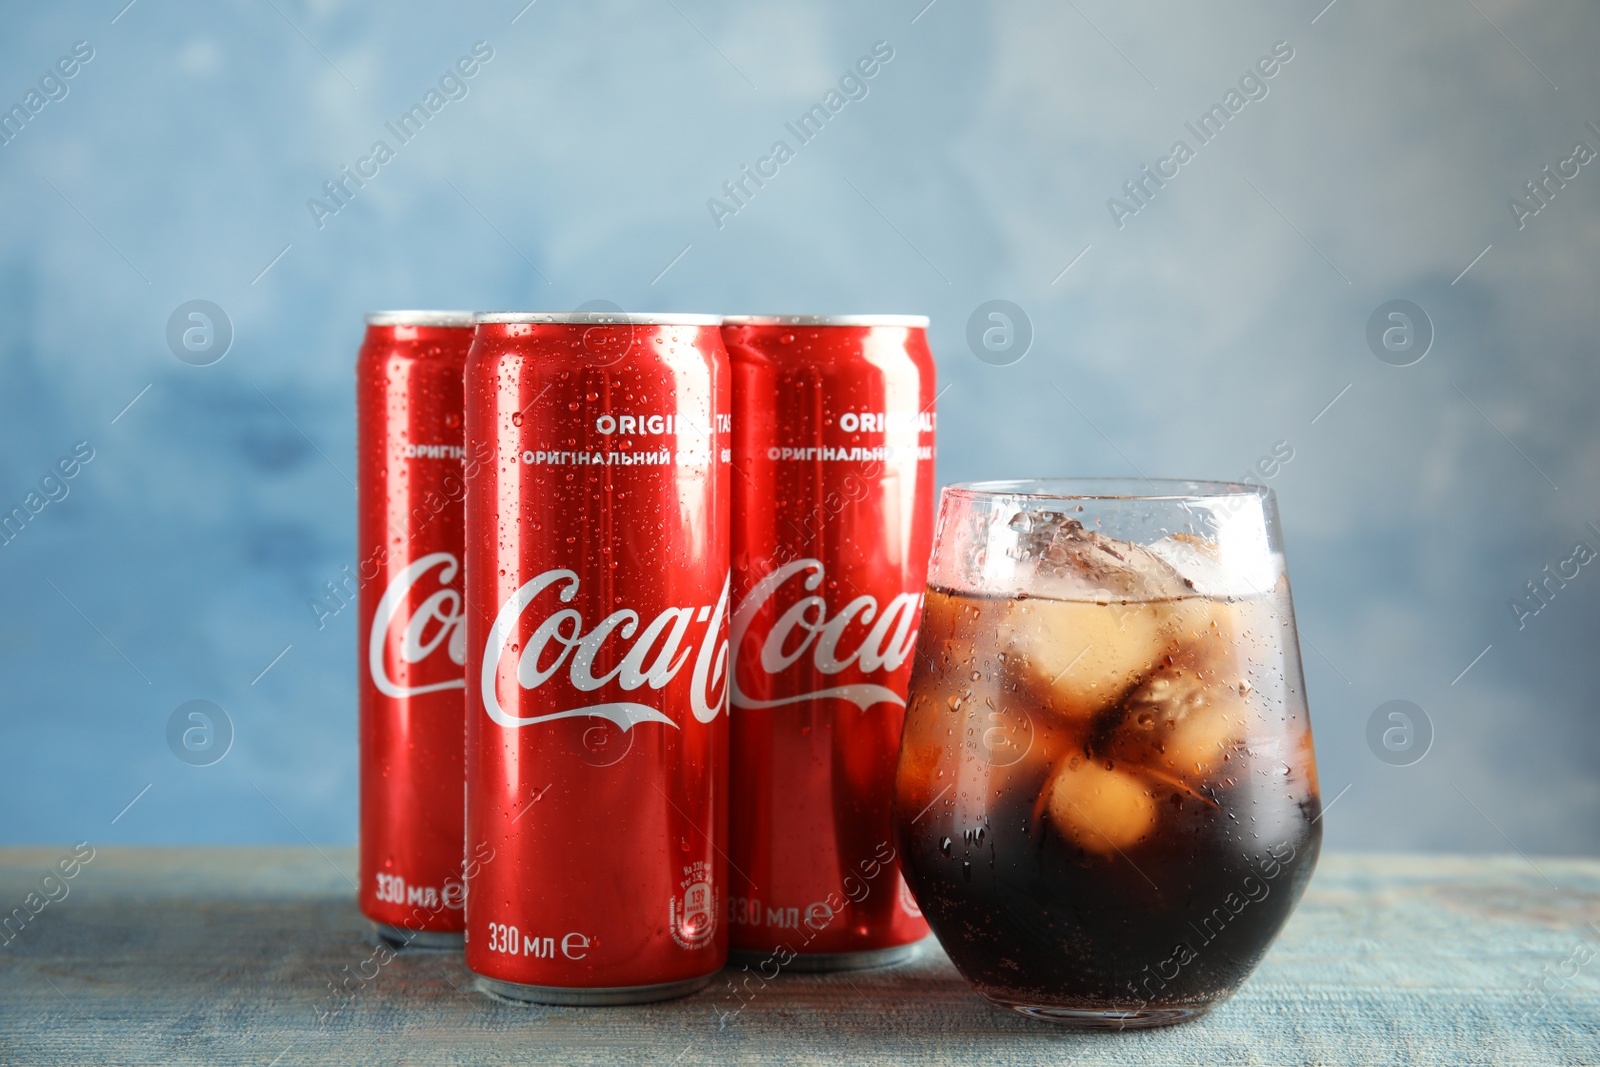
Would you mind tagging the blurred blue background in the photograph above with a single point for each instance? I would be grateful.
(1192, 336)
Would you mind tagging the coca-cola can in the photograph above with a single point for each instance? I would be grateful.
(833, 525)
(411, 479)
(597, 633)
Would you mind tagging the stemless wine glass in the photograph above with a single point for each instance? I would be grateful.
(1106, 796)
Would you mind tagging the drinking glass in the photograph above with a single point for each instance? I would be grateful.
(1106, 795)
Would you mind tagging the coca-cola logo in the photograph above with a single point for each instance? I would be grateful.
(561, 643)
(436, 625)
(801, 625)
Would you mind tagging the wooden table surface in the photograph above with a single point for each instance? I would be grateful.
(231, 956)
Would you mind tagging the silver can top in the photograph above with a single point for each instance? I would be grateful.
(598, 318)
(914, 322)
(419, 318)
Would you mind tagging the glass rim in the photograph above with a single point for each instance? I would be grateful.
(1107, 488)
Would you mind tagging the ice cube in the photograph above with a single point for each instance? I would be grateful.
(1100, 809)
(1186, 716)
(1238, 567)
(1303, 766)
(1181, 723)
(928, 757)
(919, 773)
(1078, 658)
(1071, 561)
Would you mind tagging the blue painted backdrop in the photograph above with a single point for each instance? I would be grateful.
(1189, 327)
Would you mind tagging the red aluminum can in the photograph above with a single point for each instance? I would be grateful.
(411, 480)
(833, 526)
(597, 637)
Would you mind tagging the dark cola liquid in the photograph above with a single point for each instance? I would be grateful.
(1126, 833)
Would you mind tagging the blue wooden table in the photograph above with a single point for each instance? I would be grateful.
(256, 956)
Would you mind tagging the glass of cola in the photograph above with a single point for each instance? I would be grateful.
(1106, 797)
